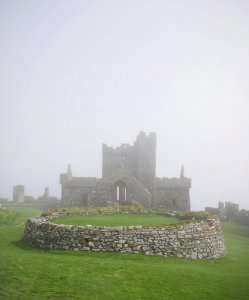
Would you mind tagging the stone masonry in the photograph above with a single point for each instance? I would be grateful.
(195, 241)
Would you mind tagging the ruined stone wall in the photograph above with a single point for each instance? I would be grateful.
(176, 199)
(75, 192)
(195, 241)
(123, 154)
(172, 193)
(83, 192)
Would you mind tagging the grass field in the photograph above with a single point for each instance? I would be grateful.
(27, 273)
(116, 220)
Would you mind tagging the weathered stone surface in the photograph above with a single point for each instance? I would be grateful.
(195, 241)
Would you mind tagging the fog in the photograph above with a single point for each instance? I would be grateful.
(76, 74)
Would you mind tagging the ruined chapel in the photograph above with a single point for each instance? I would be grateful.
(128, 174)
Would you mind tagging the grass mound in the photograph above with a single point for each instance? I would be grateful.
(115, 209)
(116, 220)
(120, 215)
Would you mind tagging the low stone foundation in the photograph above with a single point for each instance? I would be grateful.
(196, 240)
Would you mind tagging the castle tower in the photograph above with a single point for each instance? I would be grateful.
(145, 151)
(18, 193)
(139, 159)
(46, 194)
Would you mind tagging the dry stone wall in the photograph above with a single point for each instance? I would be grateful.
(196, 240)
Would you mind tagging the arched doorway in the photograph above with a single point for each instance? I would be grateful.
(119, 192)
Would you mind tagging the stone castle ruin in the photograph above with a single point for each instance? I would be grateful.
(228, 211)
(21, 199)
(128, 175)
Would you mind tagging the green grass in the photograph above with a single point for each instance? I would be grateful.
(116, 220)
(27, 273)
(16, 216)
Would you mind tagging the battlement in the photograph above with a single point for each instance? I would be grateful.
(122, 147)
(172, 182)
(79, 181)
(144, 135)
(127, 147)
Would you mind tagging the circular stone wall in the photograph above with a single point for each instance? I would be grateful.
(196, 240)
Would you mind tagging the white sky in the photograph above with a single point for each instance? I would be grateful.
(76, 74)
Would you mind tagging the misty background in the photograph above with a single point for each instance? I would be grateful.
(76, 74)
